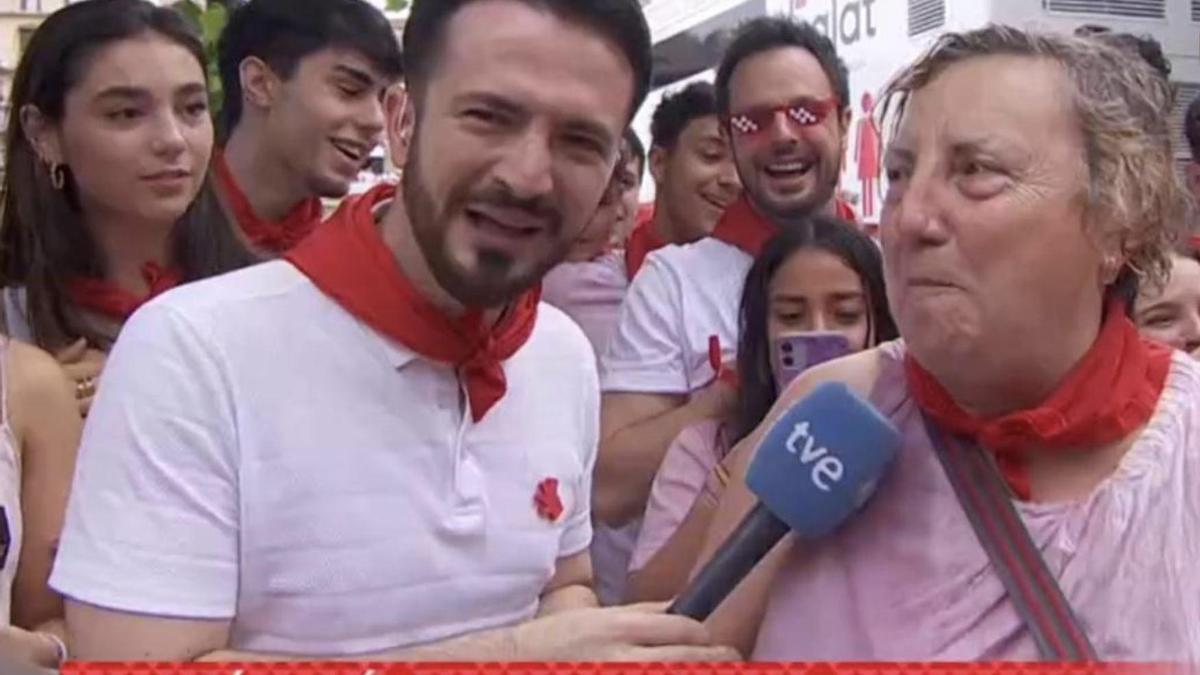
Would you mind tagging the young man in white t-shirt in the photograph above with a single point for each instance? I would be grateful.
(658, 375)
(694, 176)
(303, 91)
(381, 447)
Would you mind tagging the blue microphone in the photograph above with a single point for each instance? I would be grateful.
(818, 464)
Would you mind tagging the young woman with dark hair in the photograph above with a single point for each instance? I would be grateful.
(106, 201)
(104, 206)
(827, 277)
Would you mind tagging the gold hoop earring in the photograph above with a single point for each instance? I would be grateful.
(58, 175)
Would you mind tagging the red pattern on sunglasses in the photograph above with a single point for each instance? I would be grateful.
(804, 112)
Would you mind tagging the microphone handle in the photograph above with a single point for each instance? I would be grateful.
(754, 537)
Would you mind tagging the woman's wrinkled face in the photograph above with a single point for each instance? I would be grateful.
(983, 226)
(1173, 316)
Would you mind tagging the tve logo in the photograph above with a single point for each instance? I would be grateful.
(826, 468)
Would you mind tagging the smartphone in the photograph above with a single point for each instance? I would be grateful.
(794, 354)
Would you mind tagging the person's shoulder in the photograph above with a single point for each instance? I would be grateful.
(29, 366)
(35, 382)
(701, 433)
(707, 267)
(248, 285)
(610, 268)
(556, 330)
(698, 256)
(1182, 389)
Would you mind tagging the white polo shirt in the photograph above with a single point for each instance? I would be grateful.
(681, 297)
(258, 454)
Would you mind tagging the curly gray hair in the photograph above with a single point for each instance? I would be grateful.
(1135, 199)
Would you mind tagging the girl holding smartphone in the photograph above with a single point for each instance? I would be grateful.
(814, 293)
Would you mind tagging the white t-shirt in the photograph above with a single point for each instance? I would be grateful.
(681, 297)
(258, 454)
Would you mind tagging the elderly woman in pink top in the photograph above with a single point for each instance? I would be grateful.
(1030, 181)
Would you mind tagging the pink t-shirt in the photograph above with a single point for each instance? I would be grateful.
(590, 293)
(685, 469)
(906, 579)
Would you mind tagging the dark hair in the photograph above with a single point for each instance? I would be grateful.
(676, 111)
(765, 34)
(42, 238)
(636, 149)
(758, 389)
(619, 21)
(283, 32)
(1191, 127)
(1144, 46)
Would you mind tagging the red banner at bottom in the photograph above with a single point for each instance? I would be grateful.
(622, 669)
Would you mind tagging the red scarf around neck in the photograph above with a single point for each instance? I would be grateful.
(276, 236)
(1112, 391)
(348, 260)
(744, 227)
(642, 241)
(113, 302)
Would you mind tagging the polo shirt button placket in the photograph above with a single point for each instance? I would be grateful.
(467, 511)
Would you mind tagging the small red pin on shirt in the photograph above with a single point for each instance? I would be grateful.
(546, 500)
(729, 377)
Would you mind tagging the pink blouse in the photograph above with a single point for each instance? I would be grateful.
(906, 579)
(693, 455)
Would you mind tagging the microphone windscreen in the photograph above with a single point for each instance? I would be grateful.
(822, 460)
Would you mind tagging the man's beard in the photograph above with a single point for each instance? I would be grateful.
(494, 282)
(816, 200)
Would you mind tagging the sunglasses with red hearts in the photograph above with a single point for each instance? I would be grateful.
(802, 112)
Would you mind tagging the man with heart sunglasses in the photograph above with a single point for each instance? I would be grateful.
(781, 97)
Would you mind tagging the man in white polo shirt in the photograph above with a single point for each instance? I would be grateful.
(782, 92)
(381, 446)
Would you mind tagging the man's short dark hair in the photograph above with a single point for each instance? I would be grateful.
(765, 34)
(621, 22)
(1191, 127)
(676, 111)
(284, 32)
(636, 149)
(1144, 46)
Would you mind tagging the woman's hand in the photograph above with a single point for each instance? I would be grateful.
(83, 365)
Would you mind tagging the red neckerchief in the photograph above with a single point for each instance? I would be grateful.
(1112, 391)
(845, 211)
(642, 241)
(742, 226)
(347, 259)
(276, 236)
(113, 302)
(1194, 242)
